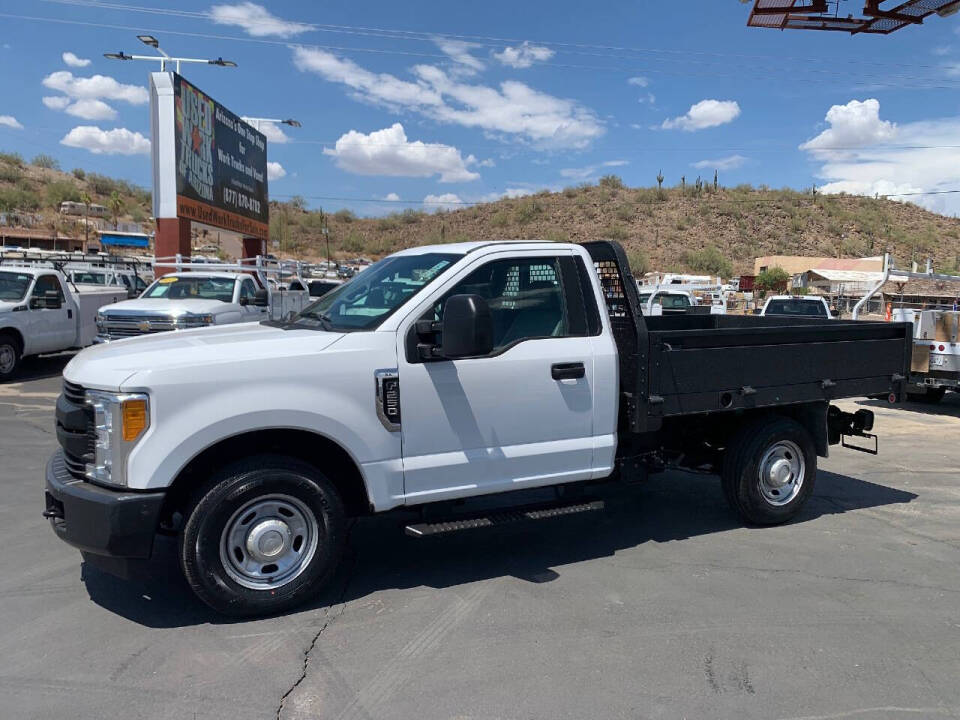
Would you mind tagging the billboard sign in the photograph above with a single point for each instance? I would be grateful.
(209, 165)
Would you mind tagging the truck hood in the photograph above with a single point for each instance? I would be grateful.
(108, 366)
(154, 306)
(7, 306)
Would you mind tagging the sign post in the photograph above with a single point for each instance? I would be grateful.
(209, 166)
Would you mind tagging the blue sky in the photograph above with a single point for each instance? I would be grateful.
(460, 102)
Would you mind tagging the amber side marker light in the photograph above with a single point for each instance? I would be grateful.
(134, 419)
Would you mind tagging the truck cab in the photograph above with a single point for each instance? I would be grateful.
(40, 312)
(797, 305)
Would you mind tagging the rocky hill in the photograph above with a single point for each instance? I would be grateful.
(671, 229)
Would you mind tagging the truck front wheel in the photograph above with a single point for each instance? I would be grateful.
(264, 537)
(769, 470)
(9, 356)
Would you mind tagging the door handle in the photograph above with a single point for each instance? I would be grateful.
(567, 371)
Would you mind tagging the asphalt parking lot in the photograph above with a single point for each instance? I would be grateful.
(661, 606)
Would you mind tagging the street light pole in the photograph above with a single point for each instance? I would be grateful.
(163, 58)
(255, 122)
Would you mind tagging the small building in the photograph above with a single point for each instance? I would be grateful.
(796, 264)
(921, 293)
(822, 281)
(38, 238)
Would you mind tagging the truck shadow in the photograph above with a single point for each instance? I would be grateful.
(670, 507)
(948, 407)
(46, 366)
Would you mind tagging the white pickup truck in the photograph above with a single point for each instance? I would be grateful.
(198, 298)
(439, 373)
(41, 313)
(798, 305)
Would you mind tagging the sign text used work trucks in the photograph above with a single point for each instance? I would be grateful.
(439, 373)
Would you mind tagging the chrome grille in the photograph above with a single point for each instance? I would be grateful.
(75, 430)
(124, 326)
(74, 393)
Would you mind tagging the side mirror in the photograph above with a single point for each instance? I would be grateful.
(467, 327)
(50, 300)
(133, 293)
(244, 301)
(261, 298)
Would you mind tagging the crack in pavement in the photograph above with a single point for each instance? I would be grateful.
(341, 601)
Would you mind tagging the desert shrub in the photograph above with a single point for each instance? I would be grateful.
(570, 192)
(386, 224)
(11, 158)
(708, 260)
(10, 173)
(555, 235)
(353, 242)
(624, 212)
(612, 182)
(101, 184)
(411, 216)
(527, 211)
(345, 215)
(499, 219)
(616, 232)
(639, 262)
(48, 162)
(79, 173)
(60, 191)
(774, 278)
(18, 198)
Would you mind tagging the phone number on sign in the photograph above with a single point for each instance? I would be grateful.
(239, 200)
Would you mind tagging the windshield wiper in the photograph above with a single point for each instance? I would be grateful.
(316, 315)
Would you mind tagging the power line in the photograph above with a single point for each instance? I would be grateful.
(903, 82)
(483, 40)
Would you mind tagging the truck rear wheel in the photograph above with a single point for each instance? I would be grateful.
(9, 356)
(931, 395)
(264, 537)
(769, 470)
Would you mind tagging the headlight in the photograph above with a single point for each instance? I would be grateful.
(100, 321)
(120, 420)
(191, 320)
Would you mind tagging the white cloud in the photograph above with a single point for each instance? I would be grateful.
(447, 201)
(725, 163)
(256, 20)
(10, 121)
(72, 60)
(511, 193)
(880, 157)
(459, 52)
(275, 171)
(704, 114)
(524, 55)
(271, 131)
(118, 141)
(952, 69)
(388, 152)
(56, 102)
(650, 98)
(582, 173)
(514, 109)
(91, 110)
(392, 197)
(639, 81)
(851, 126)
(96, 87)
(941, 50)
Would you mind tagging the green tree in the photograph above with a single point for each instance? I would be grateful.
(709, 260)
(115, 204)
(775, 278)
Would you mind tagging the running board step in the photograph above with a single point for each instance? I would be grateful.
(503, 517)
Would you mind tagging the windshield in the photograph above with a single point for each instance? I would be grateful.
(809, 308)
(666, 301)
(13, 286)
(369, 298)
(192, 288)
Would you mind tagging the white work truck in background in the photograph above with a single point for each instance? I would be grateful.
(441, 373)
(41, 312)
(199, 294)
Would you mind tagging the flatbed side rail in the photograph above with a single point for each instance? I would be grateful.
(629, 330)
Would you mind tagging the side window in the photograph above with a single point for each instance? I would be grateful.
(525, 296)
(247, 289)
(45, 283)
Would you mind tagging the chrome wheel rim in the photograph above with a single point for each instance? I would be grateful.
(781, 472)
(268, 542)
(8, 358)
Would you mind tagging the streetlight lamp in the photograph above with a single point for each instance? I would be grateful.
(163, 58)
(255, 122)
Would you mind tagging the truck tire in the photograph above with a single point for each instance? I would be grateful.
(9, 356)
(264, 536)
(769, 470)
